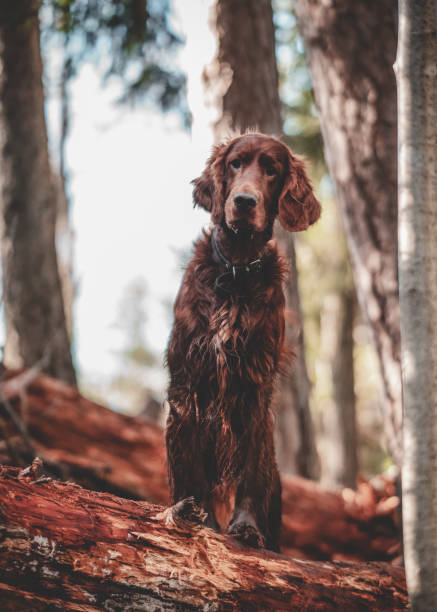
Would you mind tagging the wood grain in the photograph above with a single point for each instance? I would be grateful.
(66, 548)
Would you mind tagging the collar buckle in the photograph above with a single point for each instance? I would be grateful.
(234, 272)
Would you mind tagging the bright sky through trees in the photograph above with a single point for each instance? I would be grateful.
(132, 212)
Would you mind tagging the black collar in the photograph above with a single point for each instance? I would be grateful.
(235, 274)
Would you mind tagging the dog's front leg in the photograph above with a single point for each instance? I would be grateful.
(243, 525)
(188, 481)
(257, 515)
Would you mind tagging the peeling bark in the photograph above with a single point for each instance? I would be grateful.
(65, 548)
(103, 450)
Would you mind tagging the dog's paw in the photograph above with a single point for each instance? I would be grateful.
(248, 534)
(189, 510)
(185, 511)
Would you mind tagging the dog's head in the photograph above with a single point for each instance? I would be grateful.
(251, 180)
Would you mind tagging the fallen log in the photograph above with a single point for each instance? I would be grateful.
(103, 450)
(67, 548)
(84, 441)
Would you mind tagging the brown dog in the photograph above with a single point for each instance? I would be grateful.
(228, 337)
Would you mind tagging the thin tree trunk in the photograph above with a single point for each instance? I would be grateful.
(340, 461)
(35, 321)
(294, 432)
(243, 83)
(416, 69)
(64, 249)
(351, 48)
(64, 233)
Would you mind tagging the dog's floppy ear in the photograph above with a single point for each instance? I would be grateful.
(208, 188)
(297, 206)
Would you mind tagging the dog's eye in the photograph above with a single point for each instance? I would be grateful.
(236, 163)
(271, 170)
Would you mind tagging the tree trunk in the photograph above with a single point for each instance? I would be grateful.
(340, 461)
(35, 321)
(64, 239)
(104, 450)
(243, 83)
(65, 548)
(416, 69)
(351, 48)
(64, 235)
(294, 432)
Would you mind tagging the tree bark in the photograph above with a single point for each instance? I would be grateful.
(351, 48)
(340, 460)
(104, 450)
(67, 548)
(34, 314)
(243, 84)
(416, 70)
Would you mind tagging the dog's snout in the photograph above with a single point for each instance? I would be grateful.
(245, 201)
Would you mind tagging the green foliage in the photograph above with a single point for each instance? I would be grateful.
(300, 122)
(140, 355)
(131, 321)
(131, 39)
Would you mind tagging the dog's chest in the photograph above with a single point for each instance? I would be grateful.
(231, 326)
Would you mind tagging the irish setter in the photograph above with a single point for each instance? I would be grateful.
(228, 337)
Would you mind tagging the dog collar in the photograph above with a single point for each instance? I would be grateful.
(236, 273)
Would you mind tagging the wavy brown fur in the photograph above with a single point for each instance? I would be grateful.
(225, 348)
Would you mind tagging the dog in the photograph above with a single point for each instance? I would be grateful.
(227, 340)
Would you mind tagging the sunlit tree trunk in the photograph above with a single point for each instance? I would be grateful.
(242, 83)
(64, 249)
(64, 236)
(416, 70)
(351, 47)
(35, 321)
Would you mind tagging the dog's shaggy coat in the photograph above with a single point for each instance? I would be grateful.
(228, 338)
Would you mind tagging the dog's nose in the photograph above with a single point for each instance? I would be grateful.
(245, 201)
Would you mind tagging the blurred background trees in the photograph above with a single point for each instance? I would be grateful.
(35, 323)
(243, 82)
(133, 37)
(355, 91)
(330, 406)
(345, 399)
